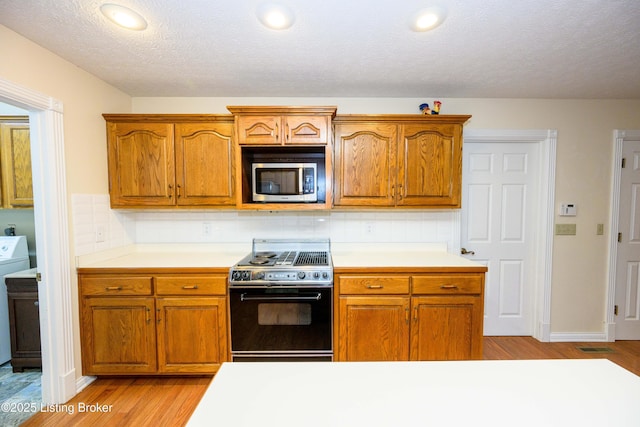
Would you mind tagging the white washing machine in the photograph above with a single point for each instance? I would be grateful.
(14, 256)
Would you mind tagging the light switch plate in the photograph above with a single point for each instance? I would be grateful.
(565, 229)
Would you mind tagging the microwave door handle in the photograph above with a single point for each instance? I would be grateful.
(301, 180)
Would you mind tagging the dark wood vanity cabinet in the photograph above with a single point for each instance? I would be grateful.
(24, 323)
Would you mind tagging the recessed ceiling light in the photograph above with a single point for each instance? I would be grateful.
(428, 19)
(123, 16)
(275, 16)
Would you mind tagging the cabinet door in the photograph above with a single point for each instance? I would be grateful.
(192, 334)
(204, 164)
(446, 327)
(310, 130)
(141, 164)
(17, 184)
(365, 165)
(118, 335)
(373, 328)
(430, 165)
(259, 130)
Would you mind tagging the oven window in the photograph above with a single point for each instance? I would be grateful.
(282, 181)
(276, 319)
(284, 314)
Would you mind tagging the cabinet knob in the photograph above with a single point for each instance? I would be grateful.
(36, 303)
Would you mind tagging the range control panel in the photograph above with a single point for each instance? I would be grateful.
(262, 277)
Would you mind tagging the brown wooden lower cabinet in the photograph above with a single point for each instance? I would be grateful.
(134, 324)
(118, 335)
(190, 333)
(374, 328)
(393, 317)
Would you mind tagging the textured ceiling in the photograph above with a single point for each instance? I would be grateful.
(342, 48)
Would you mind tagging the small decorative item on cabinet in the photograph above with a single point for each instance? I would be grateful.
(428, 111)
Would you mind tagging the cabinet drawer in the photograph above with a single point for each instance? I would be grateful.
(187, 285)
(446, 284)
(374, 285)
(116, 285)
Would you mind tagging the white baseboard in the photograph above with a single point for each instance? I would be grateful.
(578, 337)
(83, 382)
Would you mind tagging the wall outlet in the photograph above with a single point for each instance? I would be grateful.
(100, 233)
(369, 227)
(565, 229)
(600, 229)
(206, 229)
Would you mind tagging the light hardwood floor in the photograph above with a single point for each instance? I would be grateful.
(171, 401)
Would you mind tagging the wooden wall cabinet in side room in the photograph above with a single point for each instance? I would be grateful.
(390, 317)
(152, 324)
(15, 155)
(169, 161)
(283, 125)
(398, 160)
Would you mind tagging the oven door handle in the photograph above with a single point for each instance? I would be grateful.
(313, 297)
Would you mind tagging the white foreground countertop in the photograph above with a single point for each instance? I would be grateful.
(523, 393)
(203, 255)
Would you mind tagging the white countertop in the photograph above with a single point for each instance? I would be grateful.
(24, 274)
(193, 255)
(396, 255)
(524, 393)
(201, 255)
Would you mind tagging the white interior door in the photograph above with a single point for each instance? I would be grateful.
(500, 181)
(627, 293)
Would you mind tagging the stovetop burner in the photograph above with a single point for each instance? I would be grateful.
(260, 261)
(264, 254)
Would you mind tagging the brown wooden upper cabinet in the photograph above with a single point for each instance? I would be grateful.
(283, 125)
(170, 160)
(15, 163)
(398, 160)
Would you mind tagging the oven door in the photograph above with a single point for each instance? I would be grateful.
(278, 323)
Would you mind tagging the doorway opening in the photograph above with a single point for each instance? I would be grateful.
(51, 238)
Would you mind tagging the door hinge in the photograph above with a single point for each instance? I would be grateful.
(38, 277)
(624, 162)
(619, 237)
(615, 310)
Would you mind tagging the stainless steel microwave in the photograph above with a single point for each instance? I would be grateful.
(284, 182)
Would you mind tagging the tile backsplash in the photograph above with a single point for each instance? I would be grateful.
(93, 220)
